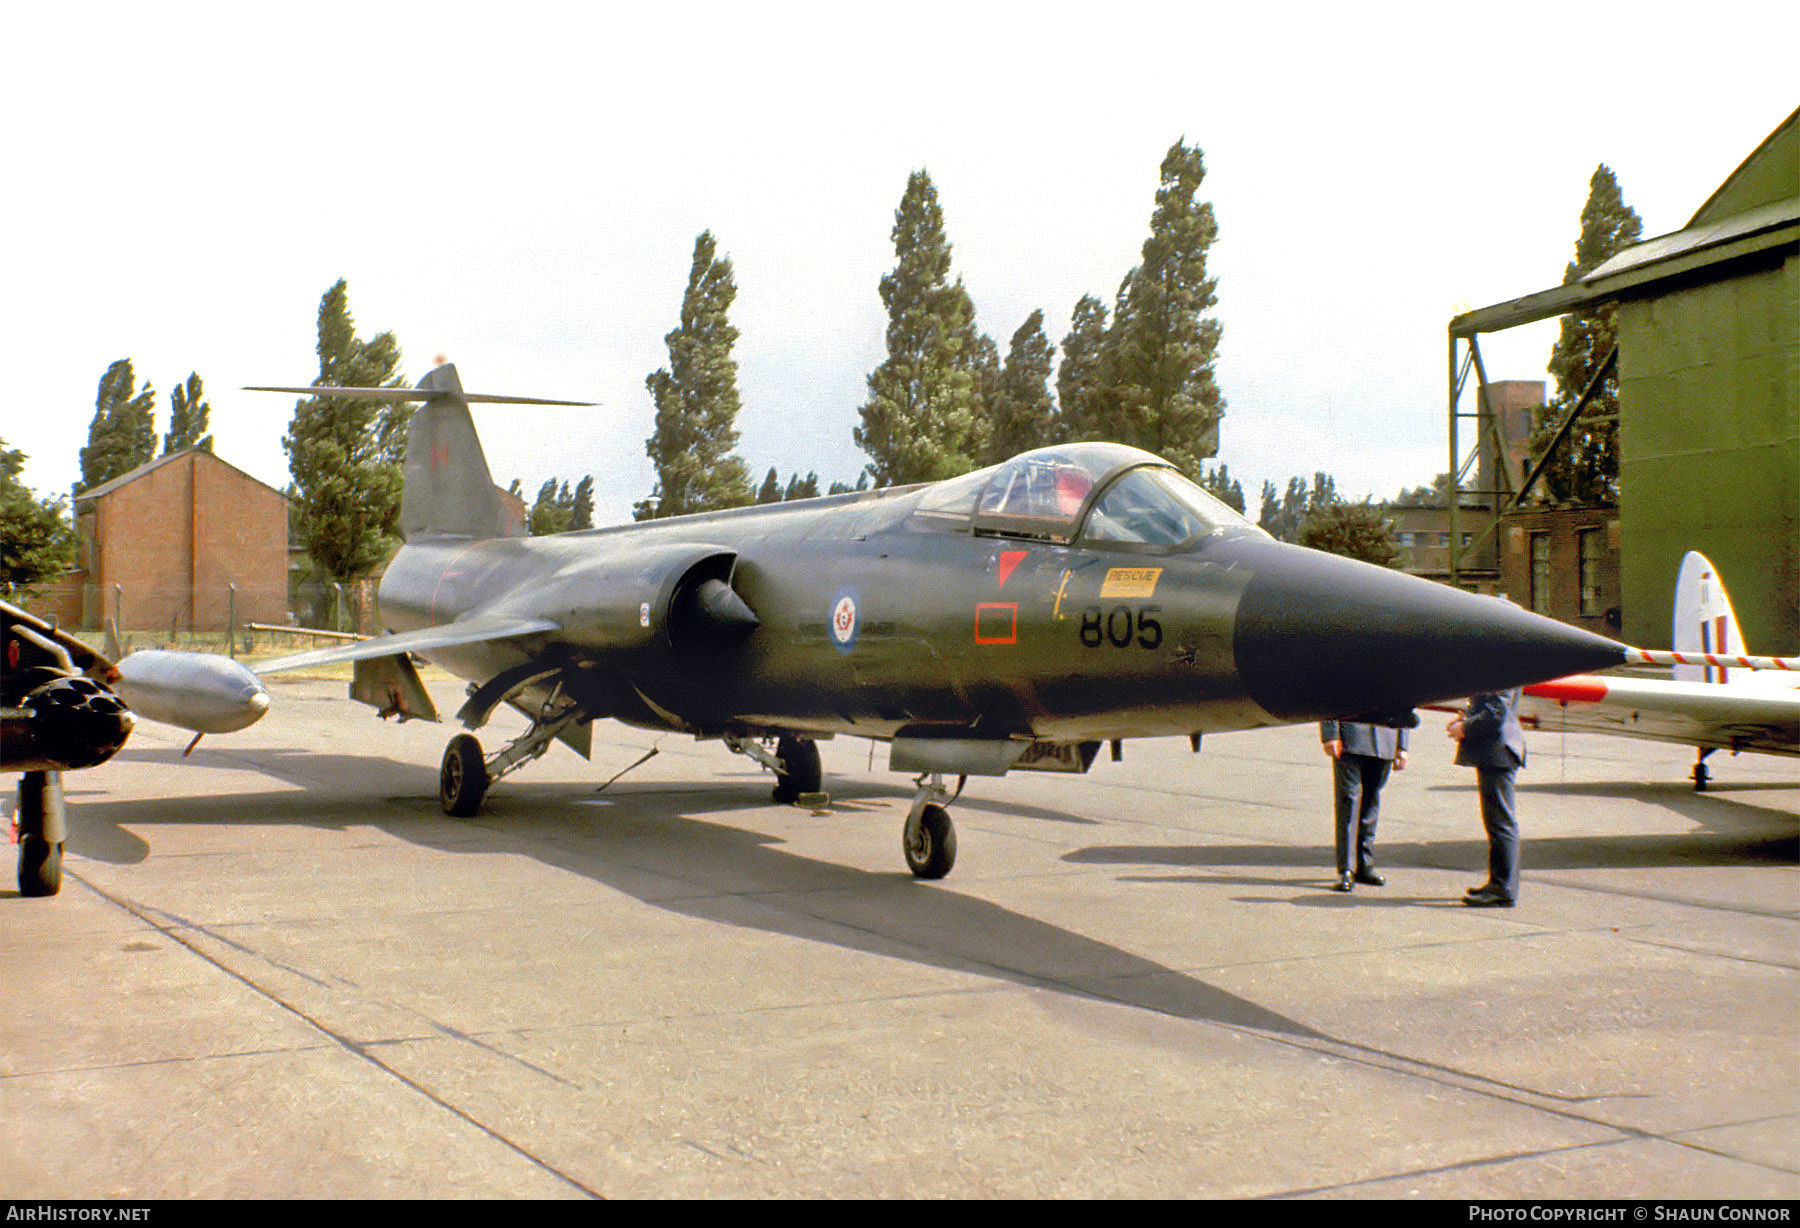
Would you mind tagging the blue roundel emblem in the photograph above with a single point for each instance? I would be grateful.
(842, 621)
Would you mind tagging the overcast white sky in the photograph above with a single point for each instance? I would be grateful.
(519, 186)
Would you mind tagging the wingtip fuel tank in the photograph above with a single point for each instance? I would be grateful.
(199, 691)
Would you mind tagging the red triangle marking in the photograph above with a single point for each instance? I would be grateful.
(1009, 559)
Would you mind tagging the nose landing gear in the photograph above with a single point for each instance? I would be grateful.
(929, 838)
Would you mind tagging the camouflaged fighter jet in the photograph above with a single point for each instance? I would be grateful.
(1013, 618)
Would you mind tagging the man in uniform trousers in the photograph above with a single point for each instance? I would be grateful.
(1362, 756)
(1490, 740)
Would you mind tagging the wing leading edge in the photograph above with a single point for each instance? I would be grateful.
(423, 640)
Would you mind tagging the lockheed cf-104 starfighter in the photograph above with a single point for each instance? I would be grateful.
(1017, 617)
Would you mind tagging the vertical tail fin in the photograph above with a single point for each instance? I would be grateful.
(1704, 619)
(449, 491)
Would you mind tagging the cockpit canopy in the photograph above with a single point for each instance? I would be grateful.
(1105, 493)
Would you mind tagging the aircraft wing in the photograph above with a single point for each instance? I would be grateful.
(1709, 715)
(424, 640)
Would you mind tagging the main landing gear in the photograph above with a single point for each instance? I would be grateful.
(795, 762)
(465, 776)
(43, 828)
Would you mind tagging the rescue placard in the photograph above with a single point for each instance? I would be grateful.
(1130, 582)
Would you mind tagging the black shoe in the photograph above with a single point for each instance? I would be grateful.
(1484, 889)
(1487, 899)
(1344, 883)
(1369, 878)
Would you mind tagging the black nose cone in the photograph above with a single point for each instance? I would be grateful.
(1321, 636)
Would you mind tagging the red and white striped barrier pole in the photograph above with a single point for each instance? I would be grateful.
(1651, 656)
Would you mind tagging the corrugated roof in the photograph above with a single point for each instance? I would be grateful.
(1701, 244)
(1740, 230)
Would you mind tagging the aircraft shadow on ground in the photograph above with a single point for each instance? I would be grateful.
(673, 847)
(1603, 852)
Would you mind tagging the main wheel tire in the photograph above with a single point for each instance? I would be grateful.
(931, 850)
(804, 775)
(40, 866)
(463, 780)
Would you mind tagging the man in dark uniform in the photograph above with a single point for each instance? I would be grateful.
(1490, 741)
(1362, 756)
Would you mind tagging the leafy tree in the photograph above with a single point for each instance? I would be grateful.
(345, 455)
(36, 542)
(1155, 387)
(1355, 530)
(845, 488)
(122, 435)
(1586, 468)
(1434, 495)
(188, 415)
(1021, 413)
(923, 419)
(697, 400)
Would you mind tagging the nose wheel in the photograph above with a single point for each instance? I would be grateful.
(929, 840)
(930, 843)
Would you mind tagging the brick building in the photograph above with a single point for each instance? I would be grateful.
(1563, 562)
(166, 544)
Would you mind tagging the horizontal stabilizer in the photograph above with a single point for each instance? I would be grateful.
(395, 395)
(450, 635)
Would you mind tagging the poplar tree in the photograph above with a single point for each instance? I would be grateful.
(1586, 468)
(1163, 343)
(1222, 486)
(122, 435)
(770, 490)
(345, 456)
(1084, 380)
(1285, 513)
(1021, 413)
(802, 487)
(696, 398)
(189, 413)
(550, 511)
(581, 512)
(924, 416)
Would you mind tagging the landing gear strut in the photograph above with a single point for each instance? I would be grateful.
(465, 776)
(929, 839)
(1701, 774)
